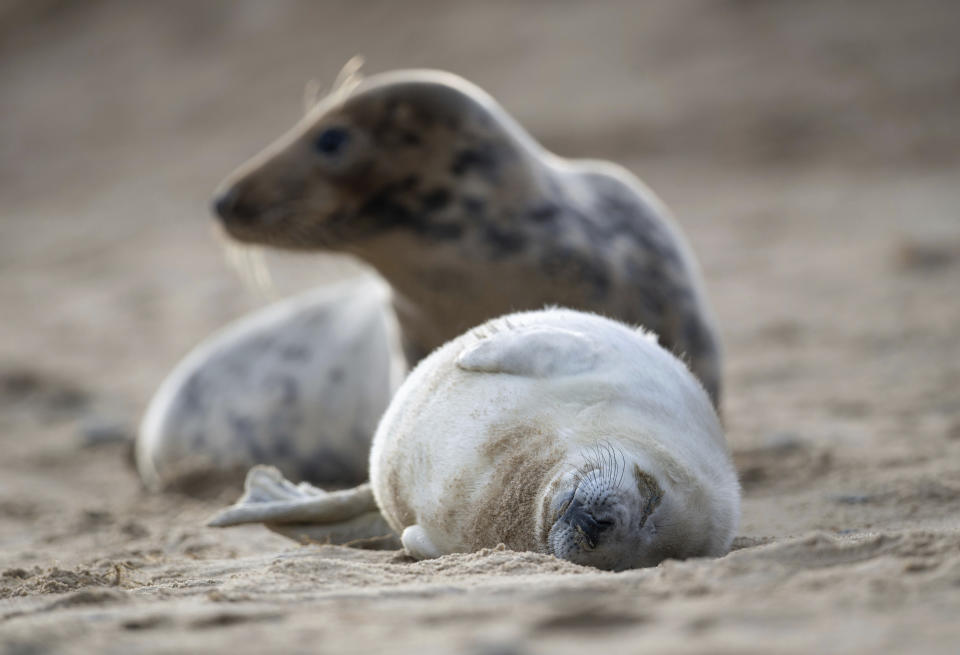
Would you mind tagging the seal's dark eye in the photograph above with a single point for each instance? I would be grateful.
(331, 141)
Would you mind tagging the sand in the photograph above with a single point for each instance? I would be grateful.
(811, 152)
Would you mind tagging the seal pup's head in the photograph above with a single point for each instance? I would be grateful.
(606, 512)
(406, 152)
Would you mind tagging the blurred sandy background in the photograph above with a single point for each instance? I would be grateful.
(811, 152)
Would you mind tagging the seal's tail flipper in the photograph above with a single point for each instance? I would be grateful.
(308, 514)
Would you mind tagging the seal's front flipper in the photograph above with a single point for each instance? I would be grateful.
(532, 351)
(417, 543)
(308, 514)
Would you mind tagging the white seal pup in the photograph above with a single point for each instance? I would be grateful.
(299, 385)
(425, 177)
(553, 431)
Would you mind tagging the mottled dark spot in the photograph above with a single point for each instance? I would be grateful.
(281, 447)
(443, 231)
(435, 200)
(504, 242)
(401, 123)
(627, 216)
(473, 205)
(339, 216)
(385, 131)
(543, 213)
(295, 352)
(651, 287)
(289, 390)
(387, 210)
(409, 183)
(652, 304)
(245, 432)
(619, 212)
(480, 159)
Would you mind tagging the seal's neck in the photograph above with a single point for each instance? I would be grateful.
(461, 251)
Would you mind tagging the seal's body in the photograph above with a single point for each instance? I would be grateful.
(299, 385)
(553, 431)
(425, 177)
(558, 432)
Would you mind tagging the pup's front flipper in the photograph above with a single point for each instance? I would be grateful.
(308, 514)
(417, 543)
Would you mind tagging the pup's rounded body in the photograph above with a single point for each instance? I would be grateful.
(558, 432)
(425, 177)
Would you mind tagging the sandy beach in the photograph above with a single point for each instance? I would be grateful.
(810, 152)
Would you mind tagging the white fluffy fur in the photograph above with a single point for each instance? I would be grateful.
(584, 379)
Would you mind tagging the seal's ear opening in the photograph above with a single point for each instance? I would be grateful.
(650, 491)
(534, 351)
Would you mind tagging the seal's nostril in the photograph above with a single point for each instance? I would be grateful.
(580, 519)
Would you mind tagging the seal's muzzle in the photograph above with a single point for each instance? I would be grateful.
(584, 524)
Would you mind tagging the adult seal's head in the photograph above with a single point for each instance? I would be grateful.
(424, 176)
(559, 432)
(344, 175)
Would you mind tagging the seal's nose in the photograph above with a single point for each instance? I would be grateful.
(225, 202)
(580, 519)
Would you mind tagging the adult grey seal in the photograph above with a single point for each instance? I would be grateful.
(299, 385)
(425, 177)
(554, 431)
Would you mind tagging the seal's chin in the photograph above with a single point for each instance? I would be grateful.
(569, 540)
(283, 230)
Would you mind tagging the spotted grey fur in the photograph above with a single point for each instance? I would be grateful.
(299, 385)
(468, 217)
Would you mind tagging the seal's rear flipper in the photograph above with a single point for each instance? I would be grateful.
(308, 514)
